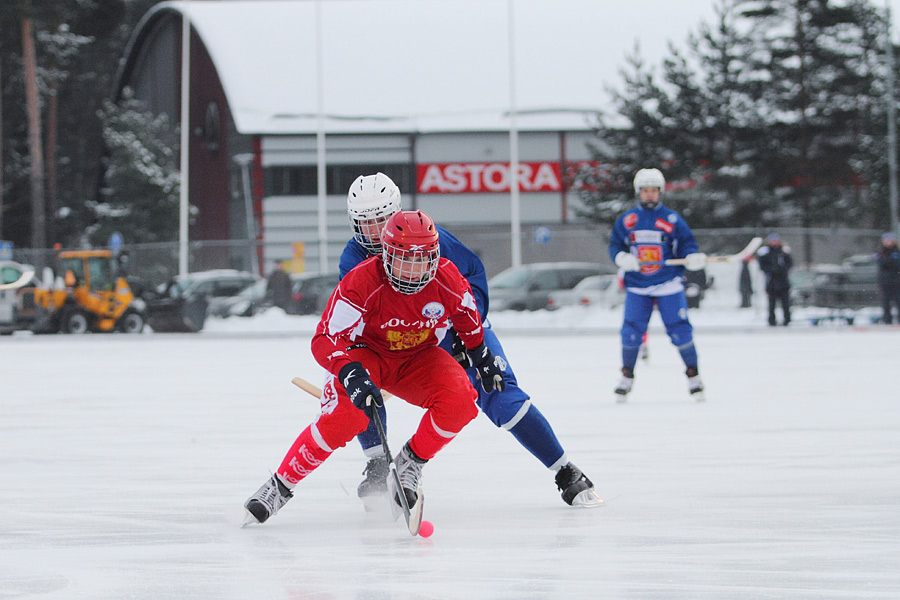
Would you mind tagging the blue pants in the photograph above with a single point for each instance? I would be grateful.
(510, 409)
(674, 313)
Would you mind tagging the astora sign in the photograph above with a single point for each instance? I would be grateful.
(461, 178)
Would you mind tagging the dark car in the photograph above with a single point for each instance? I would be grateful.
(310, 292)
(183, 303)
(250, 301)
(853, 285)
(528, 287)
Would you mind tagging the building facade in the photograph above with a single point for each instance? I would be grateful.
(254, 146)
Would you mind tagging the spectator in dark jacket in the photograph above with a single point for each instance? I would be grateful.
(888, 258)
(278, 289)
(746, 283)
(775, 261)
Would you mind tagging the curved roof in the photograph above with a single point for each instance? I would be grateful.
(390, 65)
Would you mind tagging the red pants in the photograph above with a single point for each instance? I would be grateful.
(430, 378)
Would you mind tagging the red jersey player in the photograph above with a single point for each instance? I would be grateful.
(381, 329)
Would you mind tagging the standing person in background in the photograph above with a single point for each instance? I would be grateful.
(888, 259)
(641, 241)
(746, 283)
(278, 288)
(371, 201)
(775, 261)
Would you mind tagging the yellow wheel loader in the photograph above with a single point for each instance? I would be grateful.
(92, 296)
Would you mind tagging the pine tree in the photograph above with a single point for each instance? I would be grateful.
(141, 192)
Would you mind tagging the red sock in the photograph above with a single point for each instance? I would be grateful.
(302, 459)
(427, 440)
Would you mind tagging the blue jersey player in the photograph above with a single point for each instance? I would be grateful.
(642, 240)
(371, 201)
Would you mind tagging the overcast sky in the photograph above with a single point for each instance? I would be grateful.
(435, 57)
(564, 39)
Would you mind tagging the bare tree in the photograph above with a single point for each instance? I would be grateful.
(36, 152)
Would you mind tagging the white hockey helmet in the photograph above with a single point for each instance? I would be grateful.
(371, 201)
(649, 178)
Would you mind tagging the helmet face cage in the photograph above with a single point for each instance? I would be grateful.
(410, 251)
(410, 271)
(364, 231)
(371, 201)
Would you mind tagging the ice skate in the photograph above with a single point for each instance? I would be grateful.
(695, 385)
(409, 469)
(374, 487)
(623, 388)
(267, 500)
(645, 352)
(576, 488)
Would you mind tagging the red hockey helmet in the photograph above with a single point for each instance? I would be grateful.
(410, 250)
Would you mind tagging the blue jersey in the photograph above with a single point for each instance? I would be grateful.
(653, 236)
(452, 249)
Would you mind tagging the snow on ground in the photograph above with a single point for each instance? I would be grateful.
(124, 462)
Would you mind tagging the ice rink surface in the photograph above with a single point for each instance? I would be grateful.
(125, 460)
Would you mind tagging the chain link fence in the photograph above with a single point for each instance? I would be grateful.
(157, 262)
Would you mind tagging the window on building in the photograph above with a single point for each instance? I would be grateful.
(301, 180)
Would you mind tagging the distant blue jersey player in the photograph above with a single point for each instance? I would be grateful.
(371, 201)
(641, 241)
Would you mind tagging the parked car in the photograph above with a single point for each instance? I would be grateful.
(250, 301)
(310, 292)
(184, 302)
(596, 290)
(852, 285)
(13, 276)
(528, 287)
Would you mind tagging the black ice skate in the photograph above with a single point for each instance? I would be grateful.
(267, 500)
(374, 486)
(695, 385)
(624, 386)
(576, 488)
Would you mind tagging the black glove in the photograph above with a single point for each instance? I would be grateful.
(362, 392)
(490, 368)
(458, 350)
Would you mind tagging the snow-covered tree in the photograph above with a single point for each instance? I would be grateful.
(140, 195)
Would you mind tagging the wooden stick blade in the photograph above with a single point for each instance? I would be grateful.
(307, 387)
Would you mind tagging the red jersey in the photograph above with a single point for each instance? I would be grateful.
(365, 309)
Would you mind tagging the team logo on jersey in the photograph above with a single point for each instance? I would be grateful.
(402, 340)
(672, 217)
(652, 254)
(433, 310)
(664, 225)
(630, 220)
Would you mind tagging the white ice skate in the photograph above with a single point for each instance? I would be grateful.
(267, 501)
(409, 473)
(623, 388)
(695, 385)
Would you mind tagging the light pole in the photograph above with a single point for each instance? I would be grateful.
(185, 139)
(515, 204)
(892, 128)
